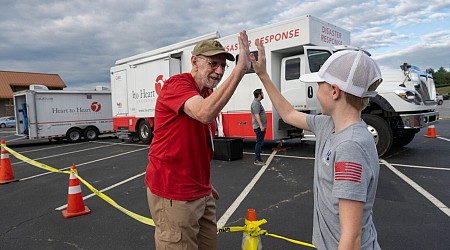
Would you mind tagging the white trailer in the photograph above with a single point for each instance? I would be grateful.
(293, 48)
(59, 114)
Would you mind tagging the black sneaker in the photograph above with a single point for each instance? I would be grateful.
(259, 163)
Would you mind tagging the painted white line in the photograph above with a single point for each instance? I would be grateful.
(418, 188)
(85, 163)
(393, 164)
(16, 139)
(122, 143)
(67, 153)
(442, 138)
(105, 189)
(285, 156)
(422, 167)
(47, 148)
(223, 220)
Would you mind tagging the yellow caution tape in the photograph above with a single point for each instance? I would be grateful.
(133, 215)
(291, 240)
(251, 228)
(106, 198)
(230, 229)
(33, 162)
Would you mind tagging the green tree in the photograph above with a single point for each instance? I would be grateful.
(441, 77)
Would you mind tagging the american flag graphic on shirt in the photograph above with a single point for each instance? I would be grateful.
(347, 171)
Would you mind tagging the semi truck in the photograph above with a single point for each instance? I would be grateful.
(405, 101)
(62, 114)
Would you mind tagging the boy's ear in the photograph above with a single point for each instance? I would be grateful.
(336, 91)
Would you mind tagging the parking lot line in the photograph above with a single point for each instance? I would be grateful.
(422, 167)
(49, 148)
(67, 153)
(232, 208)
(442, 138)
(85, 163)
(11, 135)
(418, 188)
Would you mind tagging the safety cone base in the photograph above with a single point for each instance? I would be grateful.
(7, 181)
(70, 215)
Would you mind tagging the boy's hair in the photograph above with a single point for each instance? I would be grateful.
(360, 103)
(257, 92)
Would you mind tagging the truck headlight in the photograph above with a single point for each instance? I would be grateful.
(409, 95)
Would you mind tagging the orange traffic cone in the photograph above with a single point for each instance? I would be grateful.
(250, 242)
(75, 203)
(6, 172)
(431, 132)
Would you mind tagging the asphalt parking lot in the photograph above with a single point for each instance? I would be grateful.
(411, 209)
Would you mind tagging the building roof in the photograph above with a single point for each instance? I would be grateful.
(8, 79)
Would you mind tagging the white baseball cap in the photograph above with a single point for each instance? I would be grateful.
(352, 70)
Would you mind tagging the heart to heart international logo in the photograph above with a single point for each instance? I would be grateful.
(95, 106)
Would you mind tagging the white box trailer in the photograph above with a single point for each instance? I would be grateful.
(294, 47)
(59, 114)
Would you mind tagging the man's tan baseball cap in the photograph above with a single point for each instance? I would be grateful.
(211, 48)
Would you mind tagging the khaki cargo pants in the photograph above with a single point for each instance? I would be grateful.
(183, 225)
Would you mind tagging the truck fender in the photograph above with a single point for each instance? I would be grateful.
(382, 103)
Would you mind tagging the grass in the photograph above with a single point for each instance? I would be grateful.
(443, 90)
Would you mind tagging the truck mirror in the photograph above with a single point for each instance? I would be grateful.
(405, 66)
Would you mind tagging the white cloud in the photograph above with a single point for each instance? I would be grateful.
(433, 51)
(81, 40)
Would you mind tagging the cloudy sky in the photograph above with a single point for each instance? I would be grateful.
(80, 40)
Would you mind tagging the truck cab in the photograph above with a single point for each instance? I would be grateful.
(405, 102)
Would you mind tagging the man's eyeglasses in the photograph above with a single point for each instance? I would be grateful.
(214, 65)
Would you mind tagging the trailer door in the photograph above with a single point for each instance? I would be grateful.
(120, 93)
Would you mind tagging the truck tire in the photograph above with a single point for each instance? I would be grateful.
(440, 102)
(381, 132)
(404, 137)
(145, 132)
(74, 135)
(90, 133)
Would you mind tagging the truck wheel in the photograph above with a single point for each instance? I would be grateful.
(91, 133)
(381, 132)
(440, 102)
(74, 135)
(145, 132)
(404, 137)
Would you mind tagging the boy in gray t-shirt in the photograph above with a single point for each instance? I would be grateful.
(346, 165)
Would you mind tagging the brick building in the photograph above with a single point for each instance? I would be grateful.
(11, 82)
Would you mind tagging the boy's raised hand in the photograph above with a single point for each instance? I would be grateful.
(260, 65)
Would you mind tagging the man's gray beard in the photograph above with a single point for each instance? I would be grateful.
(215, 85)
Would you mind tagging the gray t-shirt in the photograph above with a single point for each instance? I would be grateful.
(257, 108)
(346, 167)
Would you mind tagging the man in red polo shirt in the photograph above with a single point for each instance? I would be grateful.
(180, 194)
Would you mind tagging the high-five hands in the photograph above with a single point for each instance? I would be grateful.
(244, 62)
(260, 65)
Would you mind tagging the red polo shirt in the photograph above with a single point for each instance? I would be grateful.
(181, 151)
